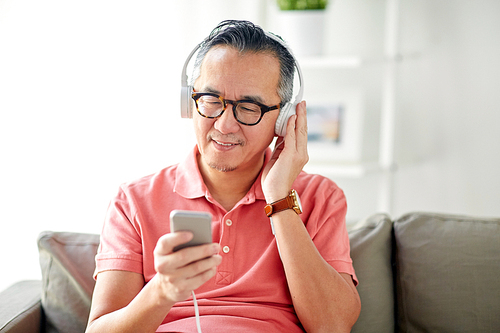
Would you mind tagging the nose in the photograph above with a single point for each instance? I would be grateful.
(226, 123)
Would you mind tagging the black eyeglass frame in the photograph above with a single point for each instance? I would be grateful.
(263, 108)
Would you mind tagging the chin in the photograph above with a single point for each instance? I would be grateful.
(219, 164)
(222, 168)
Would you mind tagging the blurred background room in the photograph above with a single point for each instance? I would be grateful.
(89, 99)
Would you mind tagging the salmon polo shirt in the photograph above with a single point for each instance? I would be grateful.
(249, 292)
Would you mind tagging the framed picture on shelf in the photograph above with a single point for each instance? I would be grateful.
(324, 123)
(335, 129)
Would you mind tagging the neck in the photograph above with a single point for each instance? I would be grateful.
(228, 187)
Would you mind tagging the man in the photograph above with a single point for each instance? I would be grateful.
(244, 281)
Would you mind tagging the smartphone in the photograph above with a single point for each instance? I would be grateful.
(199, 223)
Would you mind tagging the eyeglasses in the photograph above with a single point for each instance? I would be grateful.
(246, 112)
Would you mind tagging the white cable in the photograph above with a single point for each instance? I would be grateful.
(197, 313)
(272, 229)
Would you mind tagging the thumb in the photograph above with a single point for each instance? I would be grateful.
(167, 242)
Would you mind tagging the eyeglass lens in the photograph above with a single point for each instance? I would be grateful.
(246, 112)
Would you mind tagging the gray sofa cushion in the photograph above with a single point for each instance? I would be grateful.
(371, 248)
(21, 311)
(448, 270)
(67, 263)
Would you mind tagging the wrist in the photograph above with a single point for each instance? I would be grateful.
(162, 293)
(286, 202)
(275, 194)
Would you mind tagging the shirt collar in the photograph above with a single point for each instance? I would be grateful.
(189, 182)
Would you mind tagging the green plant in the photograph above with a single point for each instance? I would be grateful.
(302, 4)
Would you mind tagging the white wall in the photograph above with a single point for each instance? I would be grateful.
(449, 108)
(84, 102)
(89, 99)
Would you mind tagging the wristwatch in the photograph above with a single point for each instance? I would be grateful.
(291, 201)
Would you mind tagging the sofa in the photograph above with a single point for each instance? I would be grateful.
(422, 272)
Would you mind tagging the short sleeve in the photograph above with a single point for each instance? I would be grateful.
(327, 226)
(120, 244)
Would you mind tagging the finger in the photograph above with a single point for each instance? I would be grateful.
(180, 282)
(191, 275)
(199, 267)
(168, 263)
(195, 253)
(167, 242)
(301, 126)
(290, 128)
(164, 261)
(204, 271)
(301, 112)
(196, 274)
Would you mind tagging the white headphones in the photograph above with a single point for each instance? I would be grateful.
(286, 111)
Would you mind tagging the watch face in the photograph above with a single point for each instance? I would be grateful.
(296, 201)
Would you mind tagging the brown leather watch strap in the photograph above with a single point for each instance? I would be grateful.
(278, 206)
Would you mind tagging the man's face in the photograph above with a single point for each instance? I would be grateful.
(224, 143)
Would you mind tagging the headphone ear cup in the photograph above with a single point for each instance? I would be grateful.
(186, 102)
(286, 112)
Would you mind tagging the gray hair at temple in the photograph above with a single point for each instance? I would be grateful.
(245, 36)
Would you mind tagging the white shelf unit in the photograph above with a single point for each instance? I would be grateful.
(343, 170)
(385, 165)
(330, 62)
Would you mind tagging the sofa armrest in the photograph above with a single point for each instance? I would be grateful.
(20, 307)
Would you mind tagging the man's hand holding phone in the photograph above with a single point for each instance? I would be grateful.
(189, 267)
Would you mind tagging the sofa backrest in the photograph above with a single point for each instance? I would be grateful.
(371, 248)
(67, 263)
(447, 273)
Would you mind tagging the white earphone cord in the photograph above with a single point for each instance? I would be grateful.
(197, 313)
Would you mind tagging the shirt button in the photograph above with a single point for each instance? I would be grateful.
(225, 249)
(229, 222)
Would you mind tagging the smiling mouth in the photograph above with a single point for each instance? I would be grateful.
(226, 144)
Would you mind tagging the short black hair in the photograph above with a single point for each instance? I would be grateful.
(245, 36)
